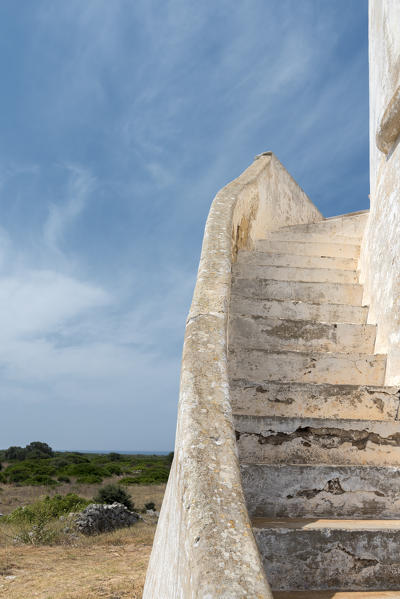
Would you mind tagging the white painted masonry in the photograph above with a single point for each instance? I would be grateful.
(380, 253)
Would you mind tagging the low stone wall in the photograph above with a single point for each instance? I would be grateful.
(379, 261)
(204, 545)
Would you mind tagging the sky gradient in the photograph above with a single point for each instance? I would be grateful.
(119, 122)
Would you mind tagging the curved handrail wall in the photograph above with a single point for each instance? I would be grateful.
(204, 546)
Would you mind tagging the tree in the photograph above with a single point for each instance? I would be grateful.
(114, 493)
(15, 453)
(38, 449)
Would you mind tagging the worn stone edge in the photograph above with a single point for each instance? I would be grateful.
(389, 126)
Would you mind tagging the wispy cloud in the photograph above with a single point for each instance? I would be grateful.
(64, 213)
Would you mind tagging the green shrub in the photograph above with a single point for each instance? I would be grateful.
(36, 522)
(63, 479)
(113, 493)
(89, 479)
(150, 505)
(114, 457)
(51, 507)
(128, 480)
(111, 469)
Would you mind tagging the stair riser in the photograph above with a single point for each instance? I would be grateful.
(330, 559)
(289, 491)
(351, 227)
(315, 293)
(335, 369)
(295, 261)
(330, 313)
(335, 250)
(273, 334)
(311, 401)
(284, 273)
(308, 441)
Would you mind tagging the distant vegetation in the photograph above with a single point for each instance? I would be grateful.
(38, 464)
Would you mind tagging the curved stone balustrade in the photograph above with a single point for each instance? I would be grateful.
(204, 545)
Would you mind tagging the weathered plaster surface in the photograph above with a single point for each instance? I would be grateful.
(204, 546)
(321, 491)
(271, 398)
(276, 334)
(379, 262)
(273, 440)
(330, 555)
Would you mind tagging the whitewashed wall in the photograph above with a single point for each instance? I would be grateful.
(380, 255)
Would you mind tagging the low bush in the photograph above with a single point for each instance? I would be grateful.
(50, 507)
(113, 493)
(36, 523)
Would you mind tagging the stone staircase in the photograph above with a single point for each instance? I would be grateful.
(317, 431)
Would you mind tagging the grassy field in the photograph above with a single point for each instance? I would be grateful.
(107, 566)
(12, 496)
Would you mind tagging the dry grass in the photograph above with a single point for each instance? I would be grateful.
(108, 566)
(12, 496)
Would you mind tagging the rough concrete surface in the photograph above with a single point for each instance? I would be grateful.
(298, 310)
(277, 334)
(322, 491)
(317, 441)
(294, 260)
(336, 250)
(308, 367)
(271, 398)
(330, 554)
(315, 293)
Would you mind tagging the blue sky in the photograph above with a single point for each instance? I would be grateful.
(119, 121)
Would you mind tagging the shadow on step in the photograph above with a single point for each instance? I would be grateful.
(336, 594)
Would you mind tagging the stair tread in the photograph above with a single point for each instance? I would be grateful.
(307, 274)
(341, 387)
(274, 236)
(336, 594)
(291, 422)
(309, 248)
(324, 523)
(293, 260)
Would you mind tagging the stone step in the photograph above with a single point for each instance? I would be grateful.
(271, 334)
(315, 293)
(315, 236)
(286, 273)
(295, 260)
(269, 398)
(337, 594)
(273, 440)
(338, 250)
(321, 491)
(330, 554)
(351, 227)
(307, 367)
(297, 310)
